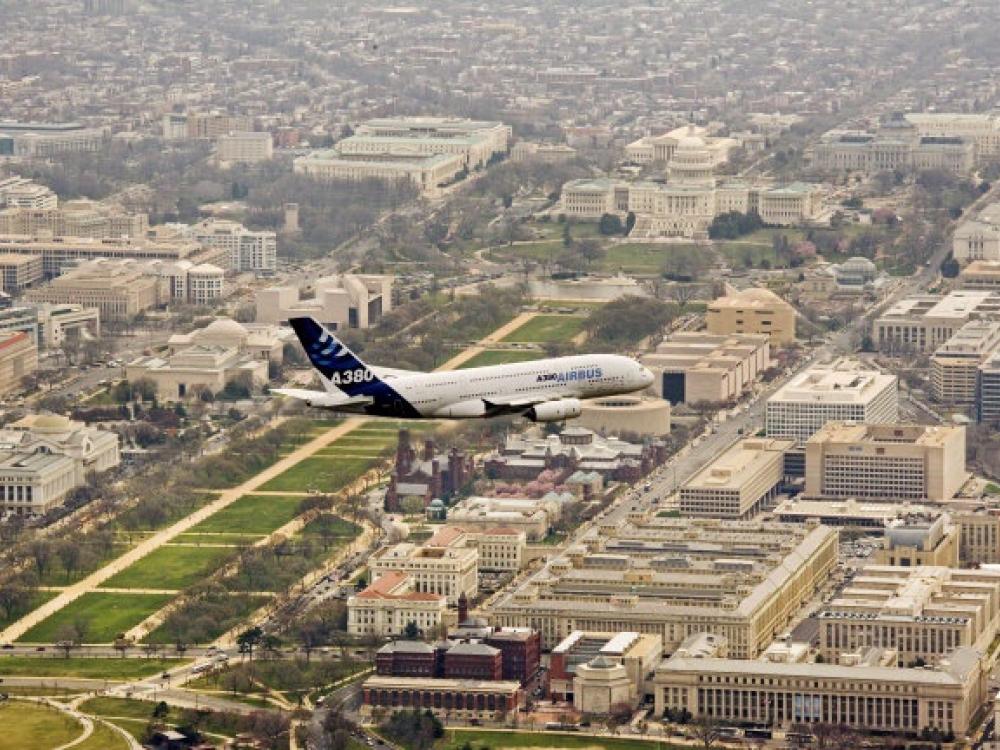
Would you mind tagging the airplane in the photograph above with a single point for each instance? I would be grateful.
(546, 390)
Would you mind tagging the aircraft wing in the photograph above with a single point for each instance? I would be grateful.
(523, 400)
(324, 400)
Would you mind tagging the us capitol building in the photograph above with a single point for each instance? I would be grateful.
(691, 197)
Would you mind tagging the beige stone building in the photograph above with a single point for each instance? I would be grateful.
(18, 272)
(743, 581)
(918, 539)
(843, 390)
(530, 516)
(244, 147)
(76, 218)
(753, 310)
(444, 564)
(118, 291)
(18, 360)
(426, 173)
(61, 253)
(185, 375)
(631, 415)
(389, 604)
(922, 613)
(981, 274)
(886, 461)
(955, 364)
(864, 697)
(43, 457)
(693, 367)
(923, 323)
(501, 550)
(595, 671)
(738, 483)
(340, 301)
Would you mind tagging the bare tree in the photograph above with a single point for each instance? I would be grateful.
(705, 729)
(682, 294)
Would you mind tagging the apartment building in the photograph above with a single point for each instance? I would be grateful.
(692, 367)
(341, 301)
(924, 322)
(444, 564)
(18, 272)
(246, 250)
(739, 483)
(244, 147)
(886, 461)
(867, 697)
(753, 310)
(389, 604)
(843, 390)
(955, 364)
(671, 577)
(921, 613)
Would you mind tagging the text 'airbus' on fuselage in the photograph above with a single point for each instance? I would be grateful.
(546, 390)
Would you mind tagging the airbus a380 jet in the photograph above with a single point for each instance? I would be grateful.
(546, 390)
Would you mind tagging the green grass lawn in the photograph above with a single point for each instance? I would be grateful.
(52, 665)
(37, 600)
(501, 357)
(170, 568)
(252, 514)
(332, 526)
(56, 575)
(642, 258)
(132, 715)
(738, 252)
(105, 615)
(456, 738)
(322, 473)
(103, 738)
(543, 328)
(29, 725)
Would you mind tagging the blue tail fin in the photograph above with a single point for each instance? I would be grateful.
(337, 364)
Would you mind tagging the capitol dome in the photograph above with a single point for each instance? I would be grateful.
(691, 143)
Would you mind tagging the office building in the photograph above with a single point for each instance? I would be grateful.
(886, 461)
(695, 367)
(341, 301)
(246, 250)
(920, 538)
(18, 272)
(541, 153)
(76, 218)
(495, 135)
(983, 129)
(922, 613)
(244, 147)
(924, 322)
(977, 239)
(501, 549)
(43, 457)
(426, 173)
(850, 515)
(21, 193)
(753, 310)
(739, 483)
(843, 390)
(955, 364)
(865, 697)
(197, 125)
(61, 253)
(40, 140)
(117, 290)
(980, 274)
(444, 564)
(389, 604)
(988, 390)
(670, 577)
(18, 360)
(529, 516)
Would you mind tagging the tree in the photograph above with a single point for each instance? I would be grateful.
(67, 639)
(122, 644)
(705, 729)
(69, 556)
(682, 294)
(610, 224)
(248, 640)
(412, 630)
(591, 251)
(41, 555)
(629, 222)
(949, 267)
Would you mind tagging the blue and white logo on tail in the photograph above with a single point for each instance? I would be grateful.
(343, 371)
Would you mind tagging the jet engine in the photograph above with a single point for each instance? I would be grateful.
(555, 411)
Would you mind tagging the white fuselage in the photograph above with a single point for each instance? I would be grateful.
(460, 393)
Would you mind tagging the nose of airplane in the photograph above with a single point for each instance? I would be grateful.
(645, 376)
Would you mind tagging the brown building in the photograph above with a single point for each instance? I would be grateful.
(408, 659)
(473, 661)
(462, 698)
(427, 475)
